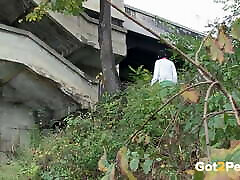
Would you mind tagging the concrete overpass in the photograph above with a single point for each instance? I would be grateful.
(156, 23)
(48, 68)
(37, 85)
(76, 38)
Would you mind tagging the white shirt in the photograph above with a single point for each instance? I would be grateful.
(164, 69)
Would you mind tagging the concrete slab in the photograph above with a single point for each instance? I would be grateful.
(46, 62)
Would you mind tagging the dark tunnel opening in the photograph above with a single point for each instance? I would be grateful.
(135, 58)
(144, 50)
(141, 50)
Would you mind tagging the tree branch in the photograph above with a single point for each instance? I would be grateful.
(205, 119)
(210, 115)
(232, 101)
(197, 56)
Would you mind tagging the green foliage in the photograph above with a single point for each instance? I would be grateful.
(140, 74)
(170, 143)
(74, 154)
(134, 163)
(10, 171)
(235, 31)
(73, 7)
(67, 7)
(37, 14)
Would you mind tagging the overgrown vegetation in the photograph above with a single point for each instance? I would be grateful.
(168, 146)
(154, 132)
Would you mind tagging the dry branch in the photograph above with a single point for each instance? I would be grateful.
(210, 115)
(205, 119)
(197, 56)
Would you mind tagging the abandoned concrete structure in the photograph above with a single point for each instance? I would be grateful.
(48, 68)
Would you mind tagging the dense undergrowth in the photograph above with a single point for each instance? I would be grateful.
(168, 146)
(74, 153)
(164, 145)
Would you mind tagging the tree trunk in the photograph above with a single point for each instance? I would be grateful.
(111, 79)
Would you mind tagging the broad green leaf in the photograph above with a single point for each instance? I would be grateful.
(219, 122)
(146, 156)
(147, 166)
(134, 163)
(236, 95)
(235, 30)
(227, 106)
(135, 154)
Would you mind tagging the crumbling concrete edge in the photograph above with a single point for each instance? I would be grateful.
(84, 100)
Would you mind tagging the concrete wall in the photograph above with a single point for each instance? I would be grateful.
(16, 124)
(40, 94)
(85, 29)
(41, 59)
(37, 85)
(27, 99)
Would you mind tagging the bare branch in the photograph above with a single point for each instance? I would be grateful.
(210, 115)
(205, 119)
(232, 101)
(197, 55)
